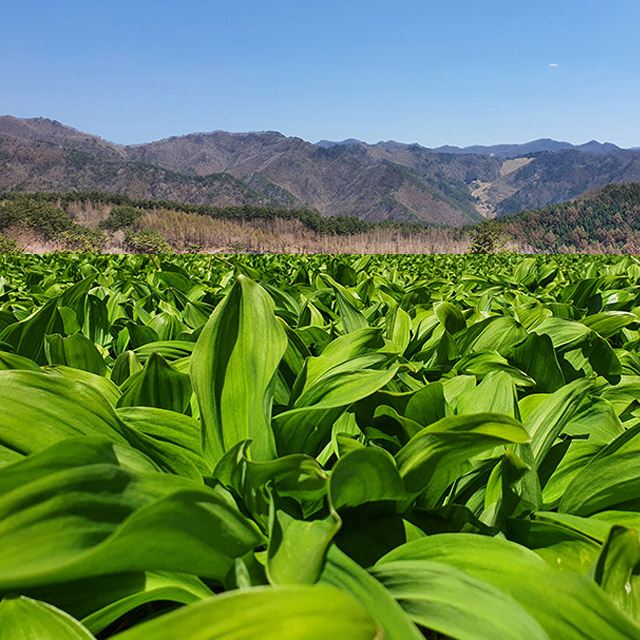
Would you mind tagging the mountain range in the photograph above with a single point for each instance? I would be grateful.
(389, 180)
(499, 150)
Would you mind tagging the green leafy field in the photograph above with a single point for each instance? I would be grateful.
(283, 447)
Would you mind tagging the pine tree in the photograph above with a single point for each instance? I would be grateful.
(488, 237)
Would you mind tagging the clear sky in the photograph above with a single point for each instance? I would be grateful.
(447, 72)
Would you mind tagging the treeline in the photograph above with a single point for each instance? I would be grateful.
(50, 222)
(605, 221)
(334, 225)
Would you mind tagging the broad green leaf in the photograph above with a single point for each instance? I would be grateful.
(608, 323)
(590, 527)
(483, 363)
(232, 368)
(630, 519)
(297, 476)
(22, 618)
(158, 385)
(583, 289)
(297, 547)
(39, 410)
(526, 272)
(565, 334)
(450, 317)
(27, 336)
(175, 280)
(126, 364)
(530, 314)
(428, 405)
(603, 359)
(365, 475)
(537, 357)
(597, 420)
(306, 427)
(550, 417)
(612, 482)
(166, 325)
(495, 394)
(282, 613)
(339, 352)
(95, 320)
(628, 440)
(170, 350)
(575, 455)
(98, 602)
(75, 295)
(102, 385)
(623, 394)
(493, 334)
(75, 351)
(141, 335)
(13, 361)
(440, 453)
(453, 387)
(94, 518)
(352, 319)
(345, 574)
(171, 439)
(399, 329)
(509, 491)
(578, 610)
(562, 547)
(442, 598)
(440, 351)
(616, 569)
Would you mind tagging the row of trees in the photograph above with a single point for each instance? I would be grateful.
(607, 221)
(336, 225)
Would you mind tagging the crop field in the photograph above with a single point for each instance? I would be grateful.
(311, 448)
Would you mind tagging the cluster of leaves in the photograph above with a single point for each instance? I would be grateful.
(278, 447)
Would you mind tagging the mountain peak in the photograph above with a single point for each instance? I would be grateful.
(339, 143)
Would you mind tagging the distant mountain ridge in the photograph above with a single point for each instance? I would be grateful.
(385, 181)
(499, 150)
(529, 148)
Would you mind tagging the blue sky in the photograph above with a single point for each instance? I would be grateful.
(453, 71)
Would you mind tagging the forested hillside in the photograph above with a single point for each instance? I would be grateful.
(603, 221)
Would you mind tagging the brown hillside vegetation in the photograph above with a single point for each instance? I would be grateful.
(185, 231)
(605, 221)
